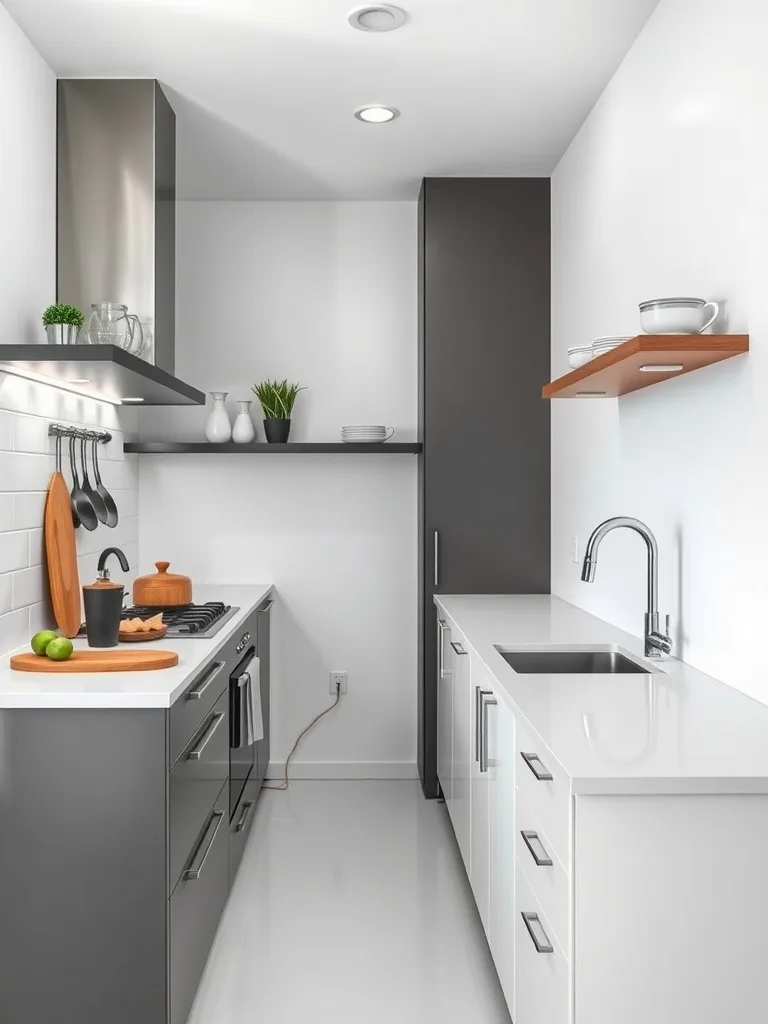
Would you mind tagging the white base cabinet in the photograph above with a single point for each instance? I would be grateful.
(600, 909)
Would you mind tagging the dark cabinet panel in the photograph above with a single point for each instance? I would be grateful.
(263, 651)
(484, 496)
(196, 907)
(240, 825)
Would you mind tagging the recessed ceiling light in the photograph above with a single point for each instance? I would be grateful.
(79, 380)
(124, 400)
(591, 394)
(378, 18)
(377, 115)
(662, 368)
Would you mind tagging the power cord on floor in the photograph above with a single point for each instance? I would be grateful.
(286, 783)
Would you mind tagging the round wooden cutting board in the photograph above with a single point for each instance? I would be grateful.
(98, 661)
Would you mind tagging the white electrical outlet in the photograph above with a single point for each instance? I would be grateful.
(575, 549)
(338, 682)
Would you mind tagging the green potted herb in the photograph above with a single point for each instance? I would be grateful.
(277, 399)
(62, 323)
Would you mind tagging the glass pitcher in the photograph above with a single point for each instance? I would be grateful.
(110, 323)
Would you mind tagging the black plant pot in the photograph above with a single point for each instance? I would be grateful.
(277, 431)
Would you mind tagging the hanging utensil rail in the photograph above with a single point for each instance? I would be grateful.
(101, 436)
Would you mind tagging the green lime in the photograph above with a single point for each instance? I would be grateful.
(59, 649)
(41, 640)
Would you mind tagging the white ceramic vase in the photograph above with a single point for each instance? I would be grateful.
(243, 431)
(218, 429)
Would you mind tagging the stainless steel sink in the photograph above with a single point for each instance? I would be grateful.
(561, 661)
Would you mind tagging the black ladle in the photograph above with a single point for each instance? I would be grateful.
(109, 502)
(93, 496)
(81, 503)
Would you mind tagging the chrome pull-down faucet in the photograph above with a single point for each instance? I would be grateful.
(657, 644)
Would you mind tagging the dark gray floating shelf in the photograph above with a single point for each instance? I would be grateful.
(105, 372)
(299, 448)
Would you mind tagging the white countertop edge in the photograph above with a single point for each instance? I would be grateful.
(136, 690)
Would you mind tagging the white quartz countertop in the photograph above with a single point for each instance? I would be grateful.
(676, 731)
(131, 689)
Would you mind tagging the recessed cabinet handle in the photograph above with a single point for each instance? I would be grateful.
(536, 765)
(197, 752)
(536, 849)
(247, 808)
(537, 933)
(487, 703)
(198, 692)
(458, 648)
(265, 607)
(197, 863)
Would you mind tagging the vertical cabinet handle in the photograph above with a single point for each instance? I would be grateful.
(247, 808)
(536, 765)
(442, 628)
(536, 849)
(487, 702)
(480, 695)
(537, 933)
(437, 559)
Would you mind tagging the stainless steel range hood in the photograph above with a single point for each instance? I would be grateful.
(117, 203)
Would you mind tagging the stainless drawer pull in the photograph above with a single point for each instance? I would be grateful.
(487, 703)
(442, 629)
(198, 692)
(480, 693)
(265, 607)
(458, 648)
(197, 752)
(536, 765)
(536, 849)
(534, 925)
(197, 864)
(247, 808)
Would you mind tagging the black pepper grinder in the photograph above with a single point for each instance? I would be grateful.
(103, 602)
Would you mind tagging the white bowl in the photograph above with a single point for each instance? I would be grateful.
(579, 356)
(677, 315)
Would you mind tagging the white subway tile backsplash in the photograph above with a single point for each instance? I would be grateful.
(36, 547)
(14, 630)
(40, 471)
(6, 593)
(14, 472)
(6, 431)
(14, 551)
(28, 587)
(30, 434)
(6, 512)
(28, 510)
(14, 392)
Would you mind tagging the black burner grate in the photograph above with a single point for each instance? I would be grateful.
(185, 619)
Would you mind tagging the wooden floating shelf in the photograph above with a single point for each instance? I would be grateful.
(299, 448)
(619, 371)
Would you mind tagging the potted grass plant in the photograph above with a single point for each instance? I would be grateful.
(277, 398)
(62, 322)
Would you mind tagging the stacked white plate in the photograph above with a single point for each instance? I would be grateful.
(364, 434)
(602, 345)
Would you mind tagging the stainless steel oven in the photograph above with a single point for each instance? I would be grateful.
(243, 742)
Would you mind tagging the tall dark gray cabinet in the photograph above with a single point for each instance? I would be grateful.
(484, 337)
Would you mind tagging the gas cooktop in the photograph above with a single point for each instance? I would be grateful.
(198, 621)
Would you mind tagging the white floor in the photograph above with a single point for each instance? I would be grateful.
(350, 907)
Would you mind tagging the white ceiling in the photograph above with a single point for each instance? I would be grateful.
(265, 90)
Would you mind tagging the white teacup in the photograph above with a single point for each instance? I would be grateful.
(677, 316)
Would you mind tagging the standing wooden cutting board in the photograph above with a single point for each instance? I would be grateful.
(61, 556)
(98, 661)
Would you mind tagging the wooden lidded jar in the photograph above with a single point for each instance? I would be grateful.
(162, 589)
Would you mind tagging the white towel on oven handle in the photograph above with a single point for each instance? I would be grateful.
(254, 722)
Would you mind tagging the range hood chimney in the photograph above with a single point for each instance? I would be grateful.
(117, 203)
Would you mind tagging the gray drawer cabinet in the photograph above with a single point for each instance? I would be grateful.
(117, 851)
(196, 907)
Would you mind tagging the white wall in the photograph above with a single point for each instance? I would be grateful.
(323, 293)
(665, 192)
(27, 286)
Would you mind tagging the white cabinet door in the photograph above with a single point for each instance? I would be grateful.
(501, 752)
(480, 871)
(445, 712)
(463, 747)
